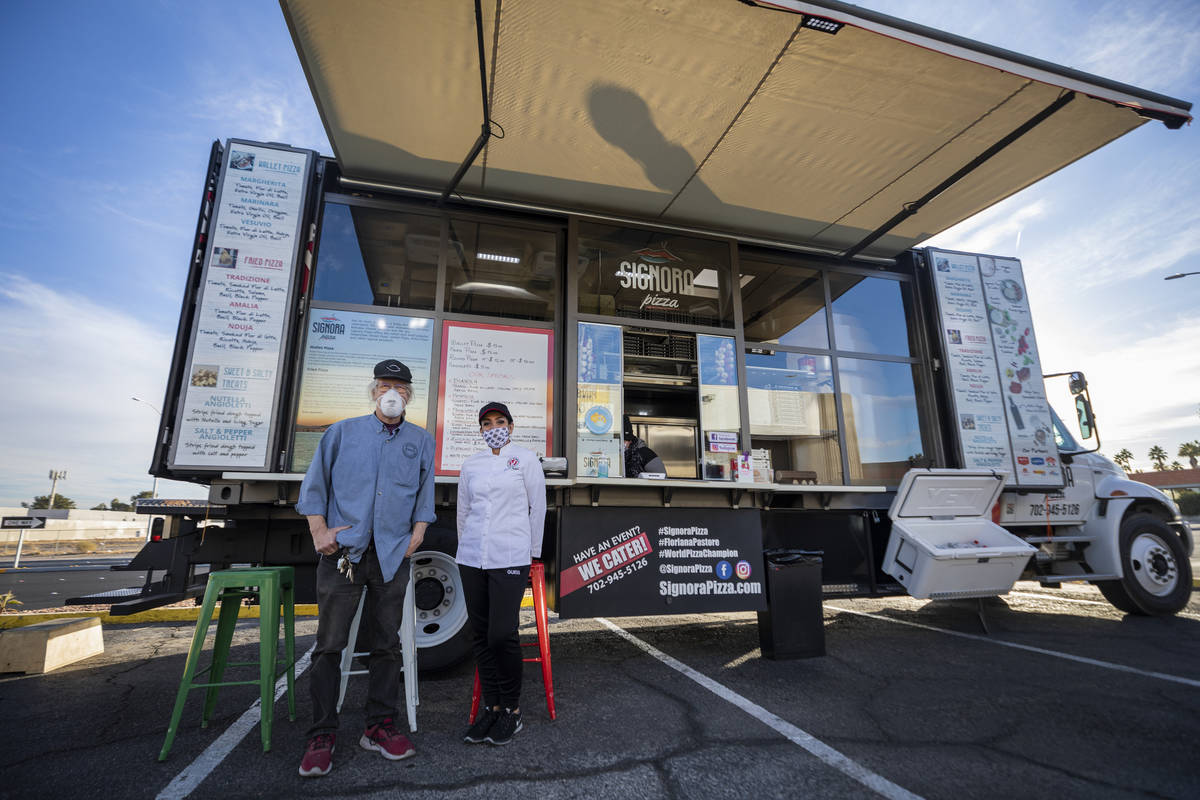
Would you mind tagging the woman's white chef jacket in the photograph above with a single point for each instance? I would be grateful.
(501, 508)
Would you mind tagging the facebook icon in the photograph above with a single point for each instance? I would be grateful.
(724, 570)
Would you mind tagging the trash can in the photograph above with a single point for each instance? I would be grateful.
(793, 626)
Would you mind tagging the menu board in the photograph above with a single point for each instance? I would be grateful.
(230, 386)
(1001, 412)
(340, 354)
(493, 363)
(598, 401)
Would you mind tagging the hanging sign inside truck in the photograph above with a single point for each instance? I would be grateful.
(1001, 413)
(227, 409)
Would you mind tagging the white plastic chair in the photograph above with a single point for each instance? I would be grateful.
(408, 651)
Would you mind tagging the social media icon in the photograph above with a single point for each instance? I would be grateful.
(743, 569)
(724, 570)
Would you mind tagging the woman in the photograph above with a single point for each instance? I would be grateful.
(501, 514)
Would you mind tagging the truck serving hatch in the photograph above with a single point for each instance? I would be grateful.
(819, 123)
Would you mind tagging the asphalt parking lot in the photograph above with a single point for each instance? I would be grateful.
(1066, 697)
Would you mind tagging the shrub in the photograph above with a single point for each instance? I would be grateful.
(1189, 503)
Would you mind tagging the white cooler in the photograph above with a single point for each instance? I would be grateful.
(943, 542)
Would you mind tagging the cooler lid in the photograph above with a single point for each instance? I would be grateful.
(947, 493)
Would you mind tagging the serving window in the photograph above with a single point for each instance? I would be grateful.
(831, 370)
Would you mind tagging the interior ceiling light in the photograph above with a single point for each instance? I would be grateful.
(498, 257)
(821, 24)
(496, 290)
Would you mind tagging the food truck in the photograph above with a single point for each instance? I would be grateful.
(702, 218)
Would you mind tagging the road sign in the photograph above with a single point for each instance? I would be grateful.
(22, 522)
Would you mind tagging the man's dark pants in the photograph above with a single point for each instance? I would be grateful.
(494, 608)
(337, 600)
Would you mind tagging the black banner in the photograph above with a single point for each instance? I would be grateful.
(641, 561)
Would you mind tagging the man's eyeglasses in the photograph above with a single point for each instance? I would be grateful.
(404, 390)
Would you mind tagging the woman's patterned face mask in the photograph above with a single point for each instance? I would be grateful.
(496, 437)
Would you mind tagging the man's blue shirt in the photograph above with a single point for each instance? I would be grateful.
(377, 483)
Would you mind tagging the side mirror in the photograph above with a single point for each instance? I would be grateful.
(1083, 411)
(1077, 384)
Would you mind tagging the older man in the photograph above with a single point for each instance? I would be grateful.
(368, 497)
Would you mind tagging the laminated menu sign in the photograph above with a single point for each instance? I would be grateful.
(484, 363)
(227, 404)
(340, 352)
(598, 400)
(1020, 372)
(1001, 411)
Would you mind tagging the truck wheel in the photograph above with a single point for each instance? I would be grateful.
(1114, 592)
(443, 633)
(1158, 575)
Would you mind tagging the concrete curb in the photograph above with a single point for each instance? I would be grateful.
(189, 614)
(153, 615)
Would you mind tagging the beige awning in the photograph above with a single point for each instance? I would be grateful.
(703, 113)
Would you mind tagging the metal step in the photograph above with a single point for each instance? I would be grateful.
(1044, 539)
(152, 601)
(112, 596)
(1059, 579)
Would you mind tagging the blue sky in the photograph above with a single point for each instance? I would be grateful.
(111, 108)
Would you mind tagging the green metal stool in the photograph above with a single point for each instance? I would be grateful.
(274, 587)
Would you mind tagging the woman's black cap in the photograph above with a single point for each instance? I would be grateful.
(500, 407)
(393, 369)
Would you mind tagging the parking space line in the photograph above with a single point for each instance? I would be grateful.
(1029, 648)
(1061, 597)
(194, 774)
(816, 747)
(1180, 614)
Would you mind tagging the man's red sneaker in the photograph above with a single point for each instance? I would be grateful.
(318, 758)
(389, 742)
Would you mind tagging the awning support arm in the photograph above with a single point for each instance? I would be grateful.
(486, 128)
(912, 208)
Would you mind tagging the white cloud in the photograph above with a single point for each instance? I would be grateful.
(997, 230)
(265, 109)
(1127, 40)
(78, 363)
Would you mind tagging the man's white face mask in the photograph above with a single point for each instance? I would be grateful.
(391, 403)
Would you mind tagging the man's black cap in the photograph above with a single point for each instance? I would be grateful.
(628, 426)
(503, 409)
(393, 369)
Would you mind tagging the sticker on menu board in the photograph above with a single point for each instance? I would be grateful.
(227, 402)
(995, 373)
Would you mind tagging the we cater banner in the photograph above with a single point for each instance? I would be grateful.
(637, 561)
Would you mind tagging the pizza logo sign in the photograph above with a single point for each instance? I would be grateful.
(514, 463)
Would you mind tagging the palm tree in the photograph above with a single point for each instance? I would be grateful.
(1190, 451)
(1124, 459)
(1159, 457)
(1176, 466)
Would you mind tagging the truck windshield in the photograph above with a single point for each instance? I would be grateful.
(1062, 437)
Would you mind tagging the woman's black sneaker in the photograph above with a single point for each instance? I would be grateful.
(483, 723)
(507, 726)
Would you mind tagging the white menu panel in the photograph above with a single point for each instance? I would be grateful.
(227, 403)
(485, 363)
(1000, 407)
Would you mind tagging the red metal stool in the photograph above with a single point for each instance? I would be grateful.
(537, 581)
